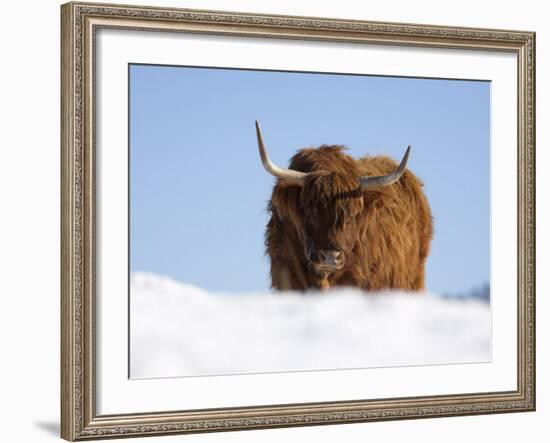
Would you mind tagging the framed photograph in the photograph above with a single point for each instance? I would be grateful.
(277, 221)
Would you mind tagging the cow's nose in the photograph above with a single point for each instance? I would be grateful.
(331, 257)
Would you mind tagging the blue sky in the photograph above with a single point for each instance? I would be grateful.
(198, 191)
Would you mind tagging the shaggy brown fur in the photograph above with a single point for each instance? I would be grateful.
(385, 233)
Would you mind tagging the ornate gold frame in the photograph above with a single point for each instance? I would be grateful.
(79, 21)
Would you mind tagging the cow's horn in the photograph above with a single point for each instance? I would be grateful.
(384, 180)
(288, 175)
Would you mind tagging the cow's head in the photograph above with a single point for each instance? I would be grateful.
(328, 207)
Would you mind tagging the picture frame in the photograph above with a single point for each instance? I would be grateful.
(80, 178)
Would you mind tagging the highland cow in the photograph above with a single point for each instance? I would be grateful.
(337, 221)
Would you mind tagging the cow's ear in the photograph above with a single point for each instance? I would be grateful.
(285, 202)
(371, 196)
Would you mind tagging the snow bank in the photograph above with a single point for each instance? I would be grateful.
(179, 330)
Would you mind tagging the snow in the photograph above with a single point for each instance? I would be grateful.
(181, 330)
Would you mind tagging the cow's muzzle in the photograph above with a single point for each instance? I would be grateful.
(327, 260)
